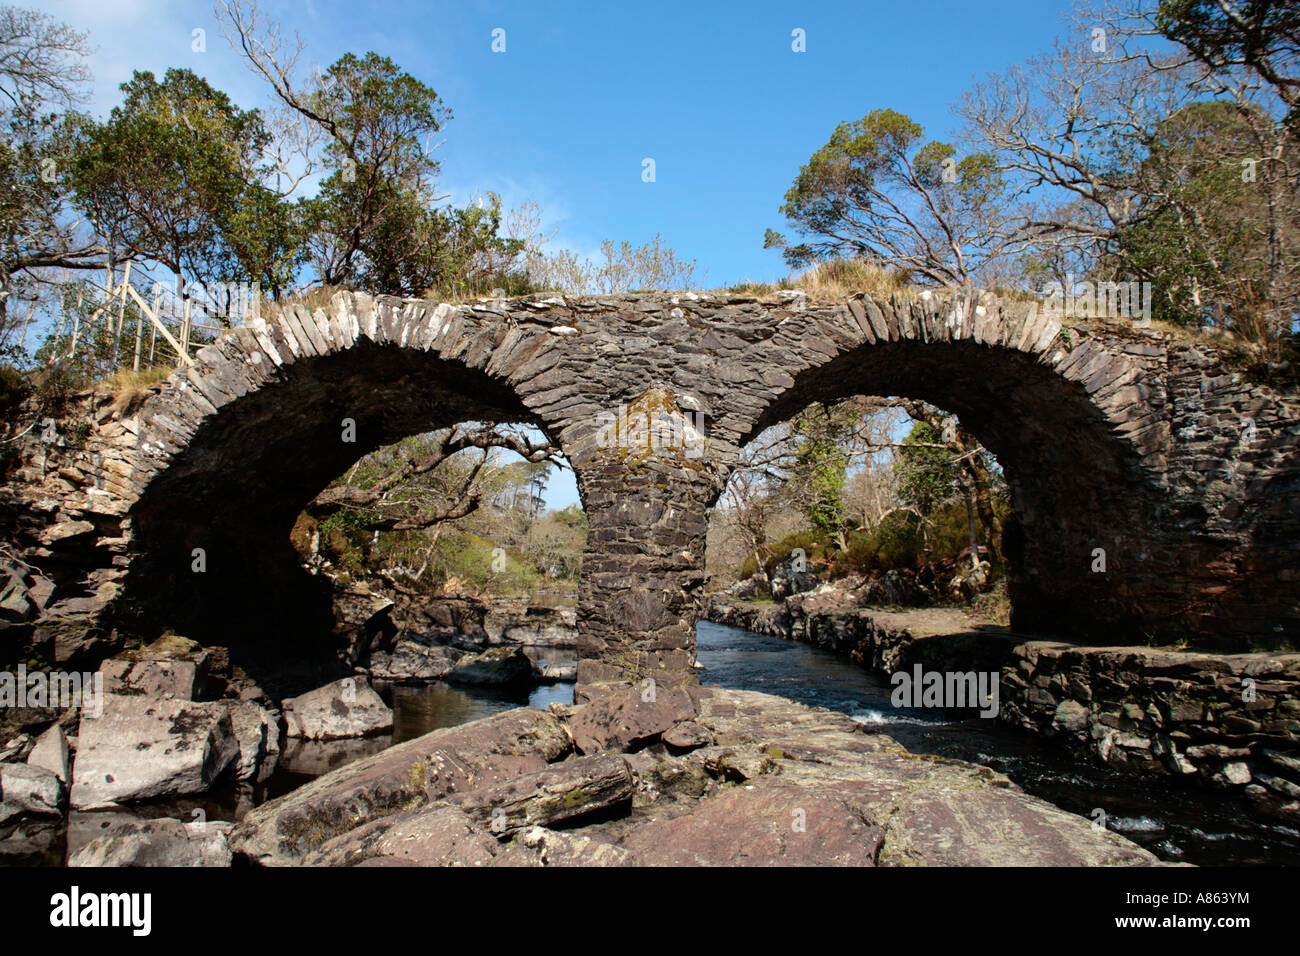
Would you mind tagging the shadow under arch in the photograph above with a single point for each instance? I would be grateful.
(236, 486)
(1075, 483)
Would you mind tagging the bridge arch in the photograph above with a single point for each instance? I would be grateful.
(1069, 418)
(231, 450)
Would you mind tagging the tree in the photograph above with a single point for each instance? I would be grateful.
(42, 71)
(173, 178)
(877, 190)
(1209, 245)
(925, 469)
(621, 267)
(405, 487)
(375, 221)
(1262, 36)
(1067, 132)
(821, 466)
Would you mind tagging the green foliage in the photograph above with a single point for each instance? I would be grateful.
(1262, 35)
(878, 191)
(895, 542)
(821, 465)
(173, 177)
(926, 475)
(374, 222)
(1203, 241)
(14, 388)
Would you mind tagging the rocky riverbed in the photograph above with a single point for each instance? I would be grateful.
(1228, 722)
(714, 777)
(683, 776)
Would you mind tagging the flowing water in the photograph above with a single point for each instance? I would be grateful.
(1177, 823)
(1185, 824)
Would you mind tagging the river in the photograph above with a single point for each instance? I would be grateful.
(1185, 824)
(1177, 823)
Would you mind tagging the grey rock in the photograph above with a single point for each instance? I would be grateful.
(160, 842)
(141, 748)
(346, 708)
(497, 667)
(31, 789)
(51, 753)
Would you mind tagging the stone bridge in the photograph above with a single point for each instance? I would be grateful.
(1139, 443)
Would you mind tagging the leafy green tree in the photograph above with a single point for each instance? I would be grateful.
(173, 178)
(821, 466)
(1205, 241)
(42, 72)
(924, 469)
(878, 190)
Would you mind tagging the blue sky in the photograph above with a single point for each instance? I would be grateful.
(584, 92)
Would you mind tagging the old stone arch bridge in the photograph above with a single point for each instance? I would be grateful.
(1146, 446)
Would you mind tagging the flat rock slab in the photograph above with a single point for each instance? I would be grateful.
(157, 843)
(538, 846)
(345, 708)
(557, 794)
(141, 748)
(282, 831)
(779, 784)
(998, 827)
(769, 826)
(437, 835)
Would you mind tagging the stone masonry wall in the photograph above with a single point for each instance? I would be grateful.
(1155, 450)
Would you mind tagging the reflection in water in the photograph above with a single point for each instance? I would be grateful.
(418, 710)
(1184, 824)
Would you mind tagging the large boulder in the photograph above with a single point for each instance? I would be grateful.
(413, 660)
(556, 672)
(621, 717)
(403, 777)
(140, 748)
(497, 667)
(162, 842)
(30, 789)
(346, 708)
(171, 666)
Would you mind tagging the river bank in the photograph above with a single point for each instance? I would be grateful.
(1228, 722)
